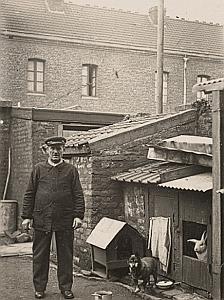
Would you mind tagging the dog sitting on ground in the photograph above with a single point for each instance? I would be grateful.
(141, 269)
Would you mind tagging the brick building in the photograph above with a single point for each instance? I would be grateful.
(56, 54)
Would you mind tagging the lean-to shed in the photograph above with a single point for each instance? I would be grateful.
(175, 184)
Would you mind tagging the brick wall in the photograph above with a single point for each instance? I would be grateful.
(26, 138)
(84, 167)
(125, 79)
(21, 158)
(41, 131)
(135, 199)
(5, 112)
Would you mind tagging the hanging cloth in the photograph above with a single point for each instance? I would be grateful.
(160, 240)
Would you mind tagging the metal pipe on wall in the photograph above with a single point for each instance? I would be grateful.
(185, 58)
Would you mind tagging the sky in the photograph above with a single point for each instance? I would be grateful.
(202, 10)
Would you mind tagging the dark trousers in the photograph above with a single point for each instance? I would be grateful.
(41, 257)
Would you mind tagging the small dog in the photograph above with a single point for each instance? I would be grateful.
(141, 269)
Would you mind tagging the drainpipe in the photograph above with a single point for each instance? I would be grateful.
(185, 79)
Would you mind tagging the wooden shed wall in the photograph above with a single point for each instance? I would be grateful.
(145, 201)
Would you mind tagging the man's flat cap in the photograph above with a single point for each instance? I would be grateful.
(55, 140)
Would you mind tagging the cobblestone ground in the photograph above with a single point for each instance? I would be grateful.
(16, 283)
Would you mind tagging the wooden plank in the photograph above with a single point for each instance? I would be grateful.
(195, 206)
(147, 206)
(209, 86)
(100, 273)
(195, 273)
(218, 183)
(79, 126)
(181, 172)
(92, 258)
(22, 113)
(116, 264)
(100, 255)
(179, 156)
(68, 116)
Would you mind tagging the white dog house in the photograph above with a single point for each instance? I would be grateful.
(112, 242)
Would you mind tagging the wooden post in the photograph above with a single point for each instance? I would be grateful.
(160, 44)
(217, 88)
(217, 199)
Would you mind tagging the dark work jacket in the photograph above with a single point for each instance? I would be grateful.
(54, 197)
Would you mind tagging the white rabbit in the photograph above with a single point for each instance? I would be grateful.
(200, 247)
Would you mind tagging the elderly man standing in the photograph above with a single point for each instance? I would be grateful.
(53, 202)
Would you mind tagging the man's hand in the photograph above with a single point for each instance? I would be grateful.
(77, 223)
(27, 224)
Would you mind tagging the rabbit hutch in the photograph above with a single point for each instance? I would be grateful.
(190, 212)
(181, 193)
(112, 242)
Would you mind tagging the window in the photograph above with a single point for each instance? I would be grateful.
(35, 75)
(193, 231)
(165, 87)
(200, 79)
(89, 80)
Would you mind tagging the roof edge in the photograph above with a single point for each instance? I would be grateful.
(104, 44)
(187, 117)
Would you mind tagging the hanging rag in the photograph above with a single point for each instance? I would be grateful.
(160, 240)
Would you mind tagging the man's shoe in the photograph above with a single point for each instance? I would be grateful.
(39, 295)
(67, 294)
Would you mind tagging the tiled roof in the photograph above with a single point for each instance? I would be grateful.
(131, 122)
(94, 24)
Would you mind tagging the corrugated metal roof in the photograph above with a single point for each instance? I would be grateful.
(152, 173)
(104, 232)
(148, 173)
(200, 182)
(190, 143)
(102, 25)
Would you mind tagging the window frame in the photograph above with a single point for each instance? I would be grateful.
(34, 77)
(89, 79)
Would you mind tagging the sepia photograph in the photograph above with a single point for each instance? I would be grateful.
(112, 149)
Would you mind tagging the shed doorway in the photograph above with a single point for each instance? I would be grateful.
(190, 214)
(195, 212)
(166, 205)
